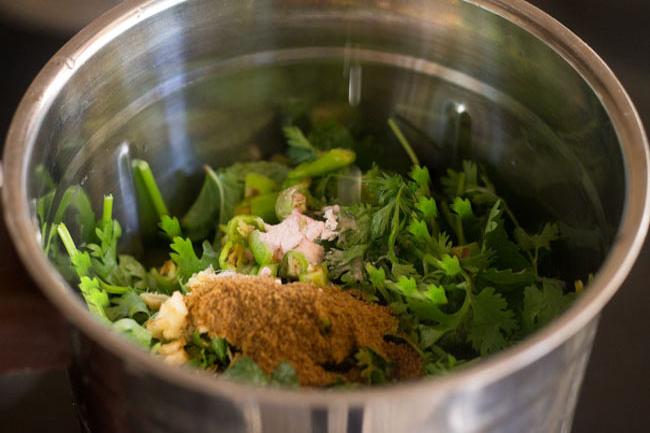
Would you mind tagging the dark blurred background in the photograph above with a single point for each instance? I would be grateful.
(34, 395)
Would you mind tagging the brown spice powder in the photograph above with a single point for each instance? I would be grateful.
(307, 326)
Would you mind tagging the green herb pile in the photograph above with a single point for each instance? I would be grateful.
(447, 255)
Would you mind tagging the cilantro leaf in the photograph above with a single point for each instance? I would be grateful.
(300, 148)
(442, 245)
(422, 179)
(134, 331)
(541, 306)
(129, 272)
(494, 220)
(541, 240)
(396, 203)
(246, 370)
(402, 269)
(506, 280)
(374, 368)
(429, 335)
(420, 231)
(505, 253)
(407, 286)
(81, 263)
(170, 227)
(492, 322)
(463, 208)
(108, 232)
(158, 282)
(95, 297)
(206, 352)
(436, 294)
(186, 259)
(456, 183)
(76, 201)
(347, 264)
(440, 362)
(449, 265)
(220, 348)
(427, 207)
(354, 226)
(472, 258)
(331, 135)
(129, 305)
(285, 375)
(202, 217)
(382, 219)
(220, 194)
(426, 311)
(377, 276)
(230, 191)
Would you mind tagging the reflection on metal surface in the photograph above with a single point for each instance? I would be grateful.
(354, 85)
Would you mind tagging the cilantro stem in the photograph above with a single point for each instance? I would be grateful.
(534, 260)
(506, 208)
(510, 214)
(107, 211)
(469, 297)
(49, 233)
(460, 189)
(392, 237)
(461, 231)
(411, 343)
(329, 161)
(222, 201)
(403, 141)
(455, 223)
(143, 170)
(66, 238)
(114, 290)
(455, 319)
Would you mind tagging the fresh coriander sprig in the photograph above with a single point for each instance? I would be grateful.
(143, 174)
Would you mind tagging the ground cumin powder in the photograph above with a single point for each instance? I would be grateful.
(313, 328)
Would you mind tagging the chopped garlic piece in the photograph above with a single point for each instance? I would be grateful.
(209, 271)
(174, 353)
(212, 276)
(153, 301)
(171, 320)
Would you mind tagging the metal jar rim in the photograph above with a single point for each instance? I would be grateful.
(623, 253)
